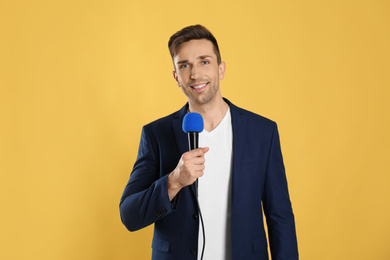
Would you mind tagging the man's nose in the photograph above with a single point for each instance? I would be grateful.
(195, 72)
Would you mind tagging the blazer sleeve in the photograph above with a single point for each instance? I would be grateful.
(277, 205)
(145, 198)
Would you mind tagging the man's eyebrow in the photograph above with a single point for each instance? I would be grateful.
(204, 56)
(182, 61)
(198, 58)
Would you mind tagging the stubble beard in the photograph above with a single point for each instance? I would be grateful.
(201, 98)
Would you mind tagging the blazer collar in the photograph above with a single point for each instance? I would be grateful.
(238, 125)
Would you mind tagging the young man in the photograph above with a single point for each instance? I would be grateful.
(239, 168)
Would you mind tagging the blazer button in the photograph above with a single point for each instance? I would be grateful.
(193, 251)
(195, 216)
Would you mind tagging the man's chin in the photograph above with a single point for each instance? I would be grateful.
(201, 100)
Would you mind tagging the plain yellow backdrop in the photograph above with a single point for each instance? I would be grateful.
(80, 78)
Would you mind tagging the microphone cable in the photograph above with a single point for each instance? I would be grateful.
(195, 193)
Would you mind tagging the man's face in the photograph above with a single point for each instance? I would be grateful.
(197, 71)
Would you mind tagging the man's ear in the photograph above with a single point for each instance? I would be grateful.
(222, 69)
(174, 74)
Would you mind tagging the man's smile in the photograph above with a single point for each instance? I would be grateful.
(199, 87)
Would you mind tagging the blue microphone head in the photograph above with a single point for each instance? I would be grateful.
(192, 122)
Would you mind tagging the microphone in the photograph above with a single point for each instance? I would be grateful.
(193, 125)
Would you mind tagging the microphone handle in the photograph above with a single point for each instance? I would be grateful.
(193, 142)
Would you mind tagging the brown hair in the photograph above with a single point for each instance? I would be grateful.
(193, 32)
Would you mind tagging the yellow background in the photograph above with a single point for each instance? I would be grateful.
(79, 79)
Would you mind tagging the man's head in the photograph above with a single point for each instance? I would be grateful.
(198, 66)
(193, 32)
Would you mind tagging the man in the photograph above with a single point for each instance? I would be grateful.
(239, 168)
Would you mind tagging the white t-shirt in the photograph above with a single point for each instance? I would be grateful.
(214, 189)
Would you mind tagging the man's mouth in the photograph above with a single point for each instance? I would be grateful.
(199, 87)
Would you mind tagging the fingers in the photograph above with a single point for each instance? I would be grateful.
(194, 162)
(198, 152)
(189, 168)
(194, 158)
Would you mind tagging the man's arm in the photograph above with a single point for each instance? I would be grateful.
(277, 206)
(147, 196)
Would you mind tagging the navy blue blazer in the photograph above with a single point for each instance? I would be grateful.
(258, 182)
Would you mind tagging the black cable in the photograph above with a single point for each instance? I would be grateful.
(203, 229)
(195, 193)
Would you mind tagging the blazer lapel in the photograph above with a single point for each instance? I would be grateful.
(180, 137)
(239, 140)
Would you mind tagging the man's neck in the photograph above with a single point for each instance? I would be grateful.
(212, 113)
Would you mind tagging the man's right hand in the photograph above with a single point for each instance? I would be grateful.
(189, 168)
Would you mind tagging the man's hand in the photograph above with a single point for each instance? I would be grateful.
(189, 168)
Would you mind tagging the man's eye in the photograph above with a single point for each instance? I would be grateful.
(183, 66)
(205, 62)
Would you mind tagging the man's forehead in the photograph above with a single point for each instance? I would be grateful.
(195, 49)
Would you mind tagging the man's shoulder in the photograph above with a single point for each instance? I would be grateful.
(252, 117)
(165, 121)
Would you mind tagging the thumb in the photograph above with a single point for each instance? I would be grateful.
(205, 149)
